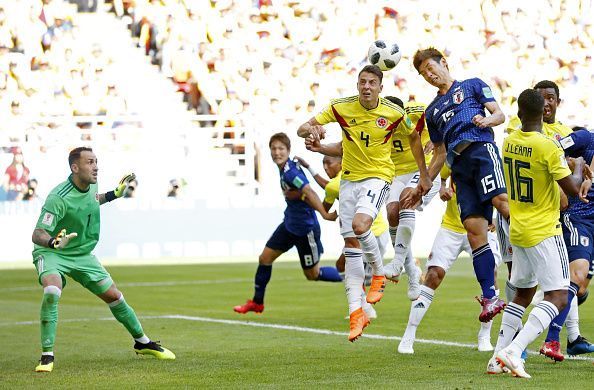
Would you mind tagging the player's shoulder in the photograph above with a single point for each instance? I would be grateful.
(390, 106)
(473, 81)
(62, 190)
(414, 107)
(344, 100)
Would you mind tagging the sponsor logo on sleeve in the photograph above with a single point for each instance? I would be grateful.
(48, 219)
(297, 182)
(566, 142)
(487, 92)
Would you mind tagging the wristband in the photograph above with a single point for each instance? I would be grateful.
(312, 171)
(50, 243)
(109, 196)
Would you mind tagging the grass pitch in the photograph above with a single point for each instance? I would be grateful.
(189, 308)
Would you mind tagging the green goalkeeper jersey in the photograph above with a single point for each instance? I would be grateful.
(68, 207)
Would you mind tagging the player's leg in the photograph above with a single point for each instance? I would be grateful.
(446, 248)
(370, 194)
(279, 242)
(548, 262)
(52, 280)
(310, 250)
(393, 269)
(484, 334)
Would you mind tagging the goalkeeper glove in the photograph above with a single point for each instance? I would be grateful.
(119, 191)
(61, 240)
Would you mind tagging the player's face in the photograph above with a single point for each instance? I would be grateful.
(86, 168)
(369, 87)
(550, 105)
(332, 166)
(435, 73)
(279, 153)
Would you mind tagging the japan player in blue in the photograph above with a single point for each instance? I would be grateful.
(457, 121)
(578, 233)
(300, 227)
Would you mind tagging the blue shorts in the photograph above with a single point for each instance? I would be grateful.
(478, 178)
(309, 246)
(578, 234)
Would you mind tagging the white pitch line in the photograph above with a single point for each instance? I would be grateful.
(282, 327)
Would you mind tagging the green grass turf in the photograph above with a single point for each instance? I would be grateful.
(99, 354)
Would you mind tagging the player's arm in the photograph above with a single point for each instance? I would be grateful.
(497, 116)
(572, 184)
(43, 238)
(52, 213)
(317, 177)
(312, 128)
(119, 190)
(311, 198)
(416, 147)
(564, 201)
(333, 149)
(445, 192)
(437, 160)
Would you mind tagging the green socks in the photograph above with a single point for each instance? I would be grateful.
(49, 317)
(126, 316)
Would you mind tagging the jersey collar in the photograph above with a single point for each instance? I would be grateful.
(74, 185)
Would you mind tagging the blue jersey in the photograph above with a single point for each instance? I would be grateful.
(580, 144)
(449, 116)
(300, 218)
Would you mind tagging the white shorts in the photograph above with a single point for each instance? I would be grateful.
(410, 180)
(448, 245)
(363, 197)
(545, 264)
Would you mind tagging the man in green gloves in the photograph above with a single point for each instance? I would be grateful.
(64, 237)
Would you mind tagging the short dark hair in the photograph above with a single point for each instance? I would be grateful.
(75, 154)
(543, 84)
(396, 101)
(531, 104)
(422, 55)
(281, 137)
(373, 69)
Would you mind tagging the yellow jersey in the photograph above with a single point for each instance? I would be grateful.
(532, 163)
(555, 130)
(404, 160)
(451, 217)
(379, 225)
(366, 136)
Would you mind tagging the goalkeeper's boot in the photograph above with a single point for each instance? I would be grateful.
(249, 306)
(46, 364)
(155, 349)
(508, 359)
(491, 307)
(552, 349)
(376, 290)
(358, 321)
(579, 346)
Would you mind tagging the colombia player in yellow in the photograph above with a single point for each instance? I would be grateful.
(73, 207)
(406, 177)
(368, 123)
(533, 165)
(450, 241)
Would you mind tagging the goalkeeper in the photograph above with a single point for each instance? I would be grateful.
(64, 237)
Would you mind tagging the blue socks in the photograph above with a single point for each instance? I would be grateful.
(329, 274)
(263, 274)
(557, 323)
(484, 268)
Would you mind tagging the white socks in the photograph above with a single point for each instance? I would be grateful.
(418, 308)
(572, 323)
(371, 251)
(354, 277)
(511, 321)
(406, 228)
(539, 319)
(143, 339)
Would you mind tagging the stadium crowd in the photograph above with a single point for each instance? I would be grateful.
(244, 57)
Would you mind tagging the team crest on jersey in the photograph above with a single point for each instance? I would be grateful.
(458, 96)
(585, 241)
(381, 122)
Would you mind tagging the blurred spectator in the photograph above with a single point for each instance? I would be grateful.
(16, 177)
(31, 193)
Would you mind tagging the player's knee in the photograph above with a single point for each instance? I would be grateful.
(264, 260)
(361, 225)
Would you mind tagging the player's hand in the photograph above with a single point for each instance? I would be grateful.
(586, 172)
(330, 216)
(480, 121)
(317, 132)
(312, 144)
(425, 184)
(428, 148)
(410, 200)
(62, 239)
(584, 189)
(303, 163)
(123, 184)
(445, 193)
